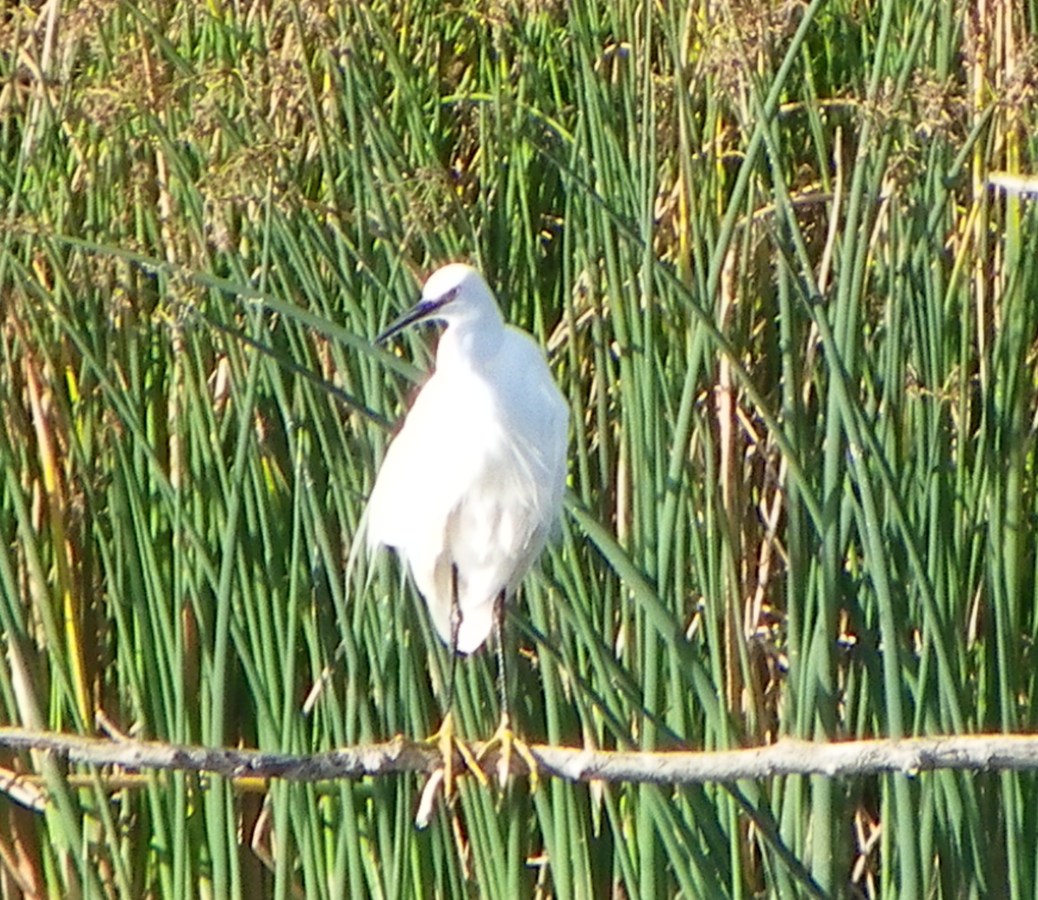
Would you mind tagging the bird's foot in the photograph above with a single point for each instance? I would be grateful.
(506, 742)
(448, 744)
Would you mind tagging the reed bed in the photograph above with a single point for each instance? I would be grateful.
(796, 327)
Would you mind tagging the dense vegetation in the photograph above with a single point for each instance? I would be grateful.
(797, 330)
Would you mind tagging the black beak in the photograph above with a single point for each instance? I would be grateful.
(423, 310)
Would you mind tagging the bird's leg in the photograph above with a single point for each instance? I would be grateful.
(444, 738)
(505, 736)
(455, 630)
(502, 674)
(446, 732)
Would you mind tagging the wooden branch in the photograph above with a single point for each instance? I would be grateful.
(991, 752)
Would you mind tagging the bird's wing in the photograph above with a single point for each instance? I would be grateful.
(474, 480)
(434, 467)
(514, 503)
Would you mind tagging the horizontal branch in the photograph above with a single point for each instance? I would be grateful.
(991, 752)
(987, 753)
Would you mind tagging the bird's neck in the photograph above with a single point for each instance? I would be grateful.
(471, 345)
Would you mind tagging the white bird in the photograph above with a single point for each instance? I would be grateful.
(472, 485)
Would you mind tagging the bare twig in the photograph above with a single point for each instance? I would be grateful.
(992, 752)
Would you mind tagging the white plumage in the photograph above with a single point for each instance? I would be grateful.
(474, 479)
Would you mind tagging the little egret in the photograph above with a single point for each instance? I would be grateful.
(472, 484)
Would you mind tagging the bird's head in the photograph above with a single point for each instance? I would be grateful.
(457, 295)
